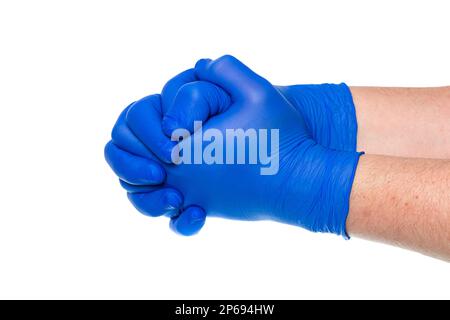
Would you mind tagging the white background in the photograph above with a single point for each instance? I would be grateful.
(67, 69)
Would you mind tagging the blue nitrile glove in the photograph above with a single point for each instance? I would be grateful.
(313, 184)
(327, 109)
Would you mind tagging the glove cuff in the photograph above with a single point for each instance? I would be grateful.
(332, 199)
(340, 183)
(329, 112)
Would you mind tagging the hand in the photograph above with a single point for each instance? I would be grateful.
(327, 109)
(314, 195)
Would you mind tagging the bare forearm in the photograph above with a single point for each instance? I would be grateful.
(401, 201)
(405, 122)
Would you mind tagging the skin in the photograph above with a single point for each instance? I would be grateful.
(403, 200)
(403, 122)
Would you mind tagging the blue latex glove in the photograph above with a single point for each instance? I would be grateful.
(327, 109)
(313, 185)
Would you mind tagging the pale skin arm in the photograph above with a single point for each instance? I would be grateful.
(404, 122)
(404, 202)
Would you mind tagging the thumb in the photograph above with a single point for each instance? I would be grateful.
(195, 101)
(233, 76)
(144, 120)
(172, 86)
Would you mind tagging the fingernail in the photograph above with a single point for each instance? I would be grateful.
(197, 216)
(167, 151)
(157, 174)
(169, 124)
(172, 200)
(202, 62)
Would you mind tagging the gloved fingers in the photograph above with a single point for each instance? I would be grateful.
(139, 188)
(171, 88)
(195, 101)
(144, 120)
(165, 201)
(233, 76)
(133, 169)
(157, 201)
(189, 222)
(126, 140)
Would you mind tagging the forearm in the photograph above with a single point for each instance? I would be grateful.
(401, 201)
(406, 122)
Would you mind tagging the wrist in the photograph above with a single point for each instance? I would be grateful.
(316, 195)
(329, 113)
(332, 201)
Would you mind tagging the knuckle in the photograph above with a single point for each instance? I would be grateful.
(117, 132)
(108, 151)
(222, 62)
(227, 58)
(192, 91)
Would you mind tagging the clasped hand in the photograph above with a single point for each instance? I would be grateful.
(222, 141)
